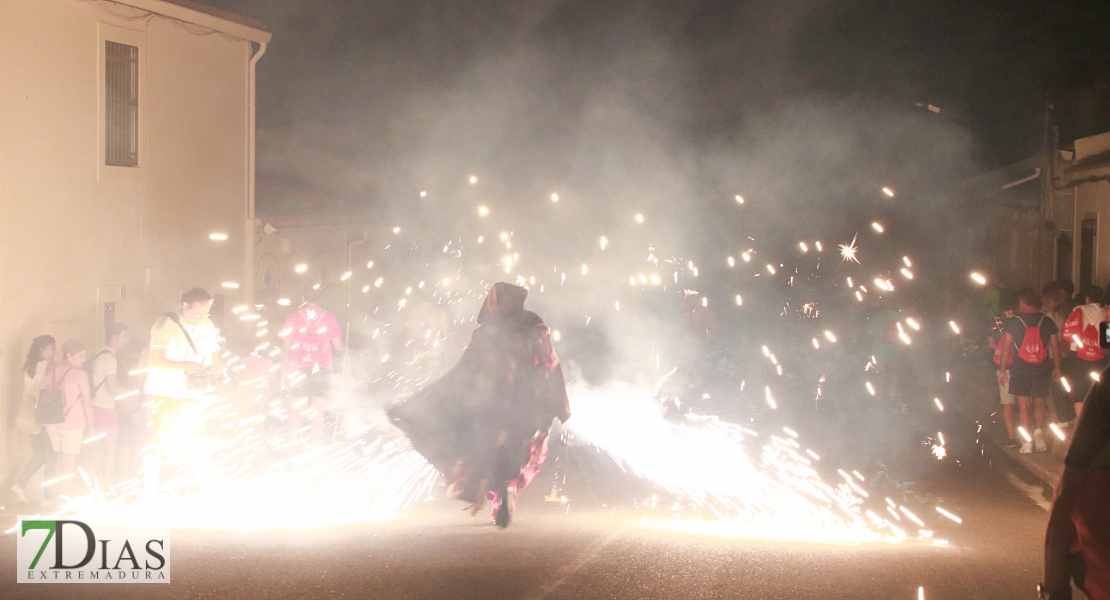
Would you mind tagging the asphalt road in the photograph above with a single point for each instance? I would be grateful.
(552, 552)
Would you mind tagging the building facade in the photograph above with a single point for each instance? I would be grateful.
(126, 167)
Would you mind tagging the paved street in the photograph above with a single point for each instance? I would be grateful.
(435, 551)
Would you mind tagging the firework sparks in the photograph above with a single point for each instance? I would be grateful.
(848, 251)
(769, 491)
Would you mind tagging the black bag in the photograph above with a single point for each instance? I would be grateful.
(50, 408)
(204, 378)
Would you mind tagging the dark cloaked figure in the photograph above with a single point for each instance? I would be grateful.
(484, 425)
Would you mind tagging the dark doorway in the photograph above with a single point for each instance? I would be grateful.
(1087, 235)
(1064, 248)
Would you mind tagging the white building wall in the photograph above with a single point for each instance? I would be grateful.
(74, 233)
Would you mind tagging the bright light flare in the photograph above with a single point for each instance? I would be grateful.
(955, 327)
(218, 237)
(949, 515)
(739, 199)
(300, 269)
(878, 227)
(1057, 431)
(848, 251)
(977, 278)
(889, 192)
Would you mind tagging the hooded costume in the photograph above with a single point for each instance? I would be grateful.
(484, 425)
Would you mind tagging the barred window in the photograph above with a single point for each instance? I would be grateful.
(121, 105)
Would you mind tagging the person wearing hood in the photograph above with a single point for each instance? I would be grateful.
(1086, 360)
(484, 425)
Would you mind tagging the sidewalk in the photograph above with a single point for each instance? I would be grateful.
(980, 404)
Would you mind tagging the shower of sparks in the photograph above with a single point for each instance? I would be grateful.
(769, 491)
(848, 251)
(772, 488)
(1057, 431)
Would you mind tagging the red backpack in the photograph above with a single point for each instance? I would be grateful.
(1032, 350)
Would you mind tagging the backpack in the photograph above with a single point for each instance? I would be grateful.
(50, 409)
(1032, 349)
(89, 364)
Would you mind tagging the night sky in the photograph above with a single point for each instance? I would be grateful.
(989, 66)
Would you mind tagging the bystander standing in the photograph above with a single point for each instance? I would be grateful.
(1033, 337)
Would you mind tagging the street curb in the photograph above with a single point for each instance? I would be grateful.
(1046, 467)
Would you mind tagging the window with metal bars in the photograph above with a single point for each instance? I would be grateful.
(121, 105)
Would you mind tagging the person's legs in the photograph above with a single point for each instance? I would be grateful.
(1008, 418)
(1039, 411)
(1007, 400)
(104, 457)
(39, 445)
(318, 407)
(1023, 412)
(71, 449)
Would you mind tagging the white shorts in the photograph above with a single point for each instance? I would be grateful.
(65, 441)
(1004, 390)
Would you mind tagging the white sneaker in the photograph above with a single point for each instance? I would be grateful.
(1038, 439)
(17, 494)
(1026, 448)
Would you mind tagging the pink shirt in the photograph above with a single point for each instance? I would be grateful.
(311, 330)
(70, 385)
